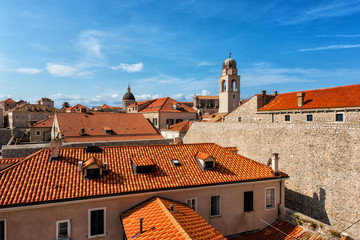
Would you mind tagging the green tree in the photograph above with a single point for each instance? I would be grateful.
(65, 105)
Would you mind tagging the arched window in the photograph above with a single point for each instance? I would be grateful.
(233, 85)
(223, 86)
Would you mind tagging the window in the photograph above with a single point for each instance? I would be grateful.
(2, 229)
(155, 121)
(191, 202)
(248, 201)
(239, 119)
(176, 162)
(339, 117)
(309, 118)
(214, 206)
(209, 164)
(38, 133)
(93, 173)
(97, 223)
(63, 230)
(170, 121)
(287, 118)
(270, 198)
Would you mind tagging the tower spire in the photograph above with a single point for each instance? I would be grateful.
(229, 55)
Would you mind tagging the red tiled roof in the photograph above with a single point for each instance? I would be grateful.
(183, 126)
(279, 230)
(208, 97)
(218, 117)
(159, 222)
(336, 97)
(105, 106)
(9, 100)
(46, 123)
(92, 160)
(202, 155)
(162, 105)
(142, 161)
(10, 160)
(123, 126)
(36, 180)
(77, 107)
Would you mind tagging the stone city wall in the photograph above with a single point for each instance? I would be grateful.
(5, 136)
(323, 161)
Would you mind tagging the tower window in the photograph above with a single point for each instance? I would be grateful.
(339, 117)
(223, 86)
(233, 84)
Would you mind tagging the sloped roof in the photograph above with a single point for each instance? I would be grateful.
(46, 123)
(336, 97)
(183, 126)
(123, 126)
(159, 222)
(37, 180)
(92, 160)
(208, 97)
(9, 100)
(105, 106)
(279, 230)
(77, 107)
(161, 105)
(27, 107)
(10, 160)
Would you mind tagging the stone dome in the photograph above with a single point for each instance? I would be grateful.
(128, 95)
(229, 63)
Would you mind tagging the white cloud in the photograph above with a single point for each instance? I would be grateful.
(206, 64)
(343, 46)
(340, 36)
(29, 70)
(205, 92)
(114, 95)
(59, 70)
(137, 67)
(89, 41)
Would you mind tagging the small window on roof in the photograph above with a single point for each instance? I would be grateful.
(205, 160)
(176, 162)
(143, 165)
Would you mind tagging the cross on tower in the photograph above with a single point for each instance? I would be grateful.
(229, 55)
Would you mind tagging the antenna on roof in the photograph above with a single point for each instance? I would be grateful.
(229, 55)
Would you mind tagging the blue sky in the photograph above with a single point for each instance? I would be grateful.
(87, 51)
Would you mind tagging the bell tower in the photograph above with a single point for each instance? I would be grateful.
(229, 86)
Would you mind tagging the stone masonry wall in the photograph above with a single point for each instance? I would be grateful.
(322, 160)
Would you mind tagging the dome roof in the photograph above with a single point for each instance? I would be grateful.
(229, 63)
(128, 95)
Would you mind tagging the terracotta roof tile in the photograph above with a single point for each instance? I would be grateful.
(208, 97)
(77, 107)
(105, 106)
(159, 222)
(279, 230)
(183, 126)
(32, 180)
(124, 127)
(92, 160)
(26, 107)
(142, 161)
(202, 155)
(344, 96)
(10, 160)
(162, 105)
(46, 123)
(9, 100)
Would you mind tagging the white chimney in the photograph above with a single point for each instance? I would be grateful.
(275, 162)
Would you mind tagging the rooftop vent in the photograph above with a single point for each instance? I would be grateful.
(177, 106)
(143, 165)
(54, 148)
(176, 163)
(205, 161)
(108, 130)
(93, 149)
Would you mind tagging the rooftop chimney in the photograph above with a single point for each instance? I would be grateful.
(80, 164)
(263, 93)
(54, 148)
(177, 140)
(172, 207)
(141, 225)
(275, 93)
(275, 162)
(300, 99)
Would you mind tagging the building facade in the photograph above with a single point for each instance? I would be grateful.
(87, 189)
